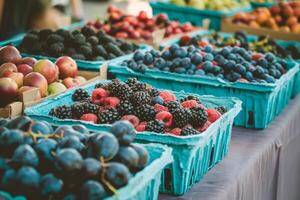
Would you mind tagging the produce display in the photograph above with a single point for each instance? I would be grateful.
(82, 44)
(281, 17)
(18, 75)
(138, 27)
(211, 4)
(263, 44)
(40, 162)
(262, 1)
(228, 63)
(147, 108)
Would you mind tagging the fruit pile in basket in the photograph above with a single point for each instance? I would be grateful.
(211, 4)
(81, 44)
(147, 108)
(228, 63)
(263, 44)
(138, 27)
(281, 17)
(18, 75)
(40, 162)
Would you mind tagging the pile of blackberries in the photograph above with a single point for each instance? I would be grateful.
(81, 44)
(39, 161)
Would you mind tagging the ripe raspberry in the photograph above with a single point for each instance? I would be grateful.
(189, 104)
(89, 118)
(110, 102)
(204, 127)
(98, 94)
(165, 117)
(175, 131)
(140, 128)
(132, 119)
(213, 115)
(167, 96)
(159, 107)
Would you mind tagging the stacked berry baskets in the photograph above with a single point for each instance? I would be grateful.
(198, 128)
(263, 82)
(69, 162)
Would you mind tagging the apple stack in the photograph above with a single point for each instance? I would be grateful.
(18, 75)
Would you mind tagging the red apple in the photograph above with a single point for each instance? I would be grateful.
(17, 77)
(36, 79)
(71, 82)
(7, 68)
(8, 91)
(9, 54)
(48, 69)
(24, 69)
(28, 60)
(67, 67)
(27, 88)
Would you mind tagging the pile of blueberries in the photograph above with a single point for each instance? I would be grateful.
(41, 162)
(228, 63)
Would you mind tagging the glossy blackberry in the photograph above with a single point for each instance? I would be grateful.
(153, 92)
(136, 85)
(80, 94)
(155, 126)
(122, 91)
(145, 112)
(221, 109)
(61, 112)
(190, 97)
(141, 98)
(108, 116)
(189, 131)
(125, 108)
(199, 116)
(181, 117)
(80, 108)
(101, 85)
(173, 105)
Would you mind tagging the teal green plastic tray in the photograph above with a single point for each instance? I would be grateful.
(193, 15)
(259, 5)
(144, 184)
(193, 155)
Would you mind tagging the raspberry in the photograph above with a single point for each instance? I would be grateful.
(165, 117)
(155, 126)
(98, 94)
(159, 107)
(132, 119)
(167, 96)
(204, 127)
(175, 131)
(89, 118)
(110, 102)
(141, 127)
(213, 115)
(189, 104)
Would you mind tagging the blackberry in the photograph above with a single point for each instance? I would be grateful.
(79, 39)
(125, 108)
(85, 50)
(29, 39)
(155, 126)
(54, 38)
(80, 94)
(120, 90)
(153, 92)
(88, 31)
(145, 112)
(181, 117)
(78, 56)
(173, 105)
(81, 108)
(141, 98)
(108, 116)
(62, 32)
(199, 116)
(112, 48)
(93, 40)
(43, 34)
(221, 109)
(189, 131)
(101, 85)
(56, 49)
(136, 85)
(61, 112)
(100, 51)
(190, 97)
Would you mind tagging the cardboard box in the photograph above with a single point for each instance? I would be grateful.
(228, 26)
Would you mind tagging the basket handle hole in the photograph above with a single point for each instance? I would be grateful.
(250, 118)
(168, 179)
(211, 156)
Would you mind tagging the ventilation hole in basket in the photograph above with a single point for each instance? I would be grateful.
(250, 118)
(168, 179)
(211, 156)
(192, 176)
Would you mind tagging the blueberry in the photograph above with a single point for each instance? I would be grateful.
(270, 79)
(142, 68)
(180, 70)
(70, 197)
(235, 76)
(216, 70)
(278, 74)
(3, 122)
(25, 155)
(261, 81)
(208, 49)
(196, 59)
(154, 53)
(241, 69)
(91, 168)
(191, 49)
(128, 156)
(45, 149)
(92, 190)
(168, 63)
(167, 55)
(41, 127)
(200, 72)
(247, 57)
(166, 69)
(50, 185)
(106, 145)
(173, 48)
(220, 76)
(193, 67)
(207, 66)
(138, 55)
(180, 53)
(270, 57)
(159, 63)
(231, 57)
(263, 62)
(72, 132)
(176, 62)
(123, 131)
(210, 74)
(132, 65)
(63, 129)
(219, 58)
(28, 179)
(71, 142)
(230, 65)
(117, 174)
(208, 57)
(157, 100)
(225, 51)
(251, 68)
(148, 58)
(68, 161)
(185, 62)
(249, 76)
(81, 129)
(258, 71)
(235, 50)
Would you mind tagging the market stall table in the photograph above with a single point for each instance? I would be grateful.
(261, 164)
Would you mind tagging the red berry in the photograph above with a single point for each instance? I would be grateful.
(175, 131)
(159, 107)
(165, 117)
(142, 16)
(110, 102)
(190, 104)
(243, 80)
(122, 35)
(141, 127)
(167, 96)
(204, 127)
(185, 40)
(256, 56)
(132, 119)
(161, 18)
(89, 118)
(187, 27)
(213, 114)
(98, 94)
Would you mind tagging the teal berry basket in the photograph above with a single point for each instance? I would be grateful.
(193, 155)
(262, 102)
(193, 15)
(144, 184)
(250, 38)
(260, 5)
